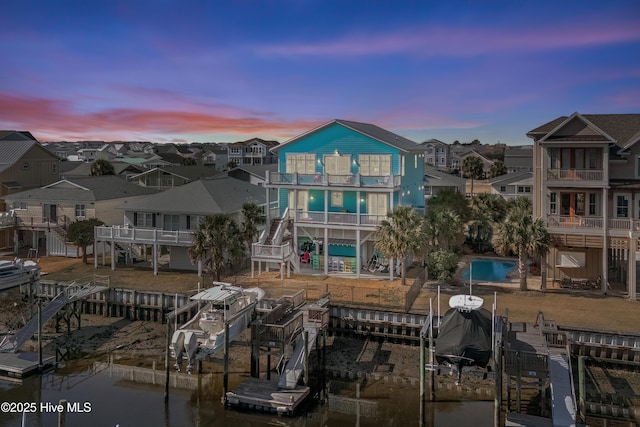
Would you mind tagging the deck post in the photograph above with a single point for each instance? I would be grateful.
(581, 388)
(166, 360)
(39, 334)
(225, 379)
(306, 357)
(432, 362)
(62, 415)
(422, 378)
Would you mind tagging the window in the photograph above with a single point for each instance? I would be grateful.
(593, 207)
(337, 165)
(21, 206)
(622, 206)
(144, 219)
(171, 222)
(54, 168)
(81, 211)
(553, 203)
(376, 164)
(524, 189)
(337, 199)
(193, 222)
(301, 163)
(503, 188)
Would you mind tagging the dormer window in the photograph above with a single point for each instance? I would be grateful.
(25, 166)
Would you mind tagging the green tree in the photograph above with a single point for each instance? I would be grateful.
(102, 167)
(252, 217)
(520, 234)
(82, 233)
(188, 161)
(231, 164)
(472, 168)
(399, 235)
(216, 242)
(443, 228)
(442, 264)
(450, 199)
(486, 211)
(497, 168)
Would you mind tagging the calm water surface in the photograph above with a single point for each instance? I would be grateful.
(117, 402)
(488, 270)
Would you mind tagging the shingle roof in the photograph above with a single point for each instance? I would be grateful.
(12, 151)
(203, 197)
(15, 135)
(623, 128)
(367, 129)
(89, 189)
(432, 174)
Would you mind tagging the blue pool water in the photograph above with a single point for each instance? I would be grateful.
(489, 270)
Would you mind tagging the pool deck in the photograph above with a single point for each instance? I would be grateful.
(533, 282)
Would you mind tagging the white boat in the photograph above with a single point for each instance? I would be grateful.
(203, 335)
(18, 272)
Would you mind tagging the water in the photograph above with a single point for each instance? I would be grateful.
(489, 270)
(117, 402)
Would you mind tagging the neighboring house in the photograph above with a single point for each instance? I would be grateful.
(175, 176)
(24, 164)
(121, 169)
(215, 155)
(335, 184)
(253, 151)
(587, 191)
(518, 159)
(256, 175)
(436, 153)
(166, 221)
(43, 214)
(486, 163)
(435, 181)
(513, 185)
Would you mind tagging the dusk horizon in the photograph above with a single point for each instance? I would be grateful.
(225, 72)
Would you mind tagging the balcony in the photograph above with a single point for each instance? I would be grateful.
(337, 218)
(119, 233)
(564, 223)
(332, 180)
(575, 175)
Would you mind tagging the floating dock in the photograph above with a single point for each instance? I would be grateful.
(266, 396)
(19, 365)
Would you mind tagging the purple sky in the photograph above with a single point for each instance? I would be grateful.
(185, 71)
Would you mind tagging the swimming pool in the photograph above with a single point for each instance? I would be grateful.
(489, 270)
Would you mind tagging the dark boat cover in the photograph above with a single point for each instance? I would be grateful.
(465, 338)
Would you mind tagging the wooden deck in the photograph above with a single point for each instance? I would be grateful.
(261, 395)
(19, 365)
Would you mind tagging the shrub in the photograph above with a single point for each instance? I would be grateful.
(442, 263)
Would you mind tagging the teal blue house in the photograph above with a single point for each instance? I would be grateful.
(335, 184)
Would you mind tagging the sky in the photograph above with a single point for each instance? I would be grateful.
(225, 71)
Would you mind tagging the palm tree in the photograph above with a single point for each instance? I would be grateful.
(216, 242)
(81, 233)
(399, 235)
(486, 210)
(451, 199)
(473, 168)
(102, 167)
(252, 217)
(519, 233)
(443, 228)
(497, 168)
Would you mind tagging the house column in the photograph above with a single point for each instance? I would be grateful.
(631, 275)
(358, 262)
(155, 258)
(268, 207)
(113, 255)
(326, 251)
(605, 243)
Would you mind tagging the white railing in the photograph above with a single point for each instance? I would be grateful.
(282, 226)
(333, 180)
(144, 235)
(341, 218)
(275, 252)
(575, 174)
(590, 222)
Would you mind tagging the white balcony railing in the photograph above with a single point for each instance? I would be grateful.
(338, 218)
(592, 222)
(575, 174)
(333, 180)
(275, 252)
(144, 235)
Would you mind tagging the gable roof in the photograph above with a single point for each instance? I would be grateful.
(84, 168)
(192, 172)
(203, 197)
(621, 129)
(367, 129)
(433, 175)
(268, 144)
(87, 189)
(16, 135)
(259, 171)
(511, 178)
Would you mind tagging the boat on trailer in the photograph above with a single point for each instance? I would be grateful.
(465, 334)
(18, 272)
(203, 335)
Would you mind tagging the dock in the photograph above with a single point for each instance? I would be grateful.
(285, 323)
(19, 365)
